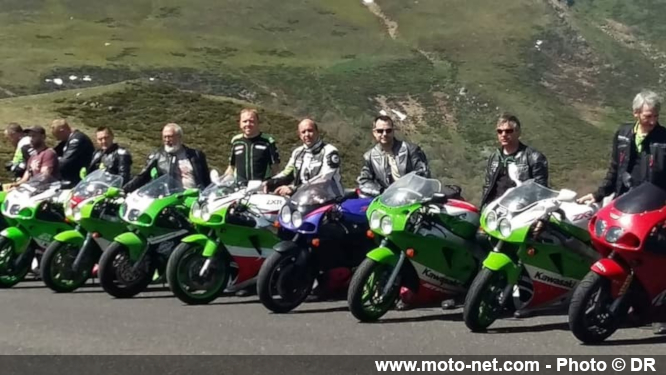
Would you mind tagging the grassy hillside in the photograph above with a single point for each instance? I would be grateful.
(568, 69)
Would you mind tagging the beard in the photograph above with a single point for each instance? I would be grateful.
(173, 149)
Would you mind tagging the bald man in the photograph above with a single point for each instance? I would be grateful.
(74, 151)
(186, 165)
(313, 159)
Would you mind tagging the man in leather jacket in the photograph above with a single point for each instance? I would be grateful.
(187, 165)
(314, 158)
(110, 156)
(512, 155)
(389, 159)
(74, 151)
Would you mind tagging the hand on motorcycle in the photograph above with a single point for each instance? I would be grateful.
(586, 199)
(284, 191)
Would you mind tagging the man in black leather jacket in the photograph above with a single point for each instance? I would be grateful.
(389, 159)
(74, 151)
(512, 160)
(110, 156)
(187, 165)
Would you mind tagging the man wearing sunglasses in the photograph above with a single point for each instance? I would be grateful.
(512, 155)
(389, 159)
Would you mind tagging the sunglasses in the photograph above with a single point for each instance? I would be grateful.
(505, 131)
(383, 131)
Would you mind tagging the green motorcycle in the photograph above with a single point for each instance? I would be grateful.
(93, 205)
(239, 236)
(542, 252)
(157, 218)
(428, 245)
(36, 210)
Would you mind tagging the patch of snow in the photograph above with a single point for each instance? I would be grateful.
(107, 44)
(48, 80)
(151, 79)
(57, 81)
(368, 1)
(73, 78)
(87, 78)
(401, 115)
(383, 113)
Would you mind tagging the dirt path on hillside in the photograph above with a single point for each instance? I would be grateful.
(391, 26)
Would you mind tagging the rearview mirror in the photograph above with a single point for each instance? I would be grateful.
(566, 195)
(153, 173)
(112, 192)
(214, 176)
(83, 173)
(253, 185)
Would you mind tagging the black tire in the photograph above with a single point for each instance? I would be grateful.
(357, 290)
(9, 279)
(478, 300)
(112, 280)
(284, 264)
(52, 255)
(177, 272)
(580, 324)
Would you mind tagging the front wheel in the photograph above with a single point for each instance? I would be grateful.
(483, 303)
(117, 275)
(284, 281)
(366, 298)
(12, 273)
(56, 267)
(590, 318)
(184, 274)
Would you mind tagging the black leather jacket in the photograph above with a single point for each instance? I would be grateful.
(530, 163)
(165, 163)
(115, 160)
(376, 175)
(647, 165)
(73, 154)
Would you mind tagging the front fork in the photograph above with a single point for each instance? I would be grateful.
(209, 260)
(508, 288)
(395, 272)
(88, 246)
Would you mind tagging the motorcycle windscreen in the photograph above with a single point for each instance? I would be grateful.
(525, 195)
(161, 187)
(219, 189)
(410, 189)
(96, 184)
(317, 192)
(37, 185)
(644, 198)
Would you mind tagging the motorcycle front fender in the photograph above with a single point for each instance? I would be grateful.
(209, 247)
(499, 262)
(383, 255)
(285, 247)
(70, 237)
(18, 236)
(610, 269)
(133, 243)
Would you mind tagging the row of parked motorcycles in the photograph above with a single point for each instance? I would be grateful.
(532, 249)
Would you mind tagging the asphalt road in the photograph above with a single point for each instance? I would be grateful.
(34, 320)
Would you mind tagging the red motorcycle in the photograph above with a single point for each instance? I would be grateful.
(630, 233)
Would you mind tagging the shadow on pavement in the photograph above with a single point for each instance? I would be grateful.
(457, 317)
(527, 329)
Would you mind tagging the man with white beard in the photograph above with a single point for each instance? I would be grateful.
(184, 164)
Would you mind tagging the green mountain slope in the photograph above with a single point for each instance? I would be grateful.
(568, 69)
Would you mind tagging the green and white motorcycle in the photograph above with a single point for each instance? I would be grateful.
(157, 219)
(93, 205)
(428, 245)
(36, 210)
(542, 252)
(236, 234)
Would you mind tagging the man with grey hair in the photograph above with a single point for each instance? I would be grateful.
(186, 165)
(639, 151)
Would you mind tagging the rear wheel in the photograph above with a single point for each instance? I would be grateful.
(10, 272)
(184, 274)
(590, 318)
(57, 267)
(483, 301)
(117, 275)
(366, 298)
(283, 282)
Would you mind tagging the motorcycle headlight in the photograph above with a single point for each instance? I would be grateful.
(76, 212)
(600, 227)
(387, 225)
(614, 234)
(285, 214)
(505, 227)
(68, 210)
(297, 219)
(196, 210)
(491, 220)
(205, 214)
(375, 218)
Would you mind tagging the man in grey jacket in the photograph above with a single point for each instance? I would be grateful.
(389, 159)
